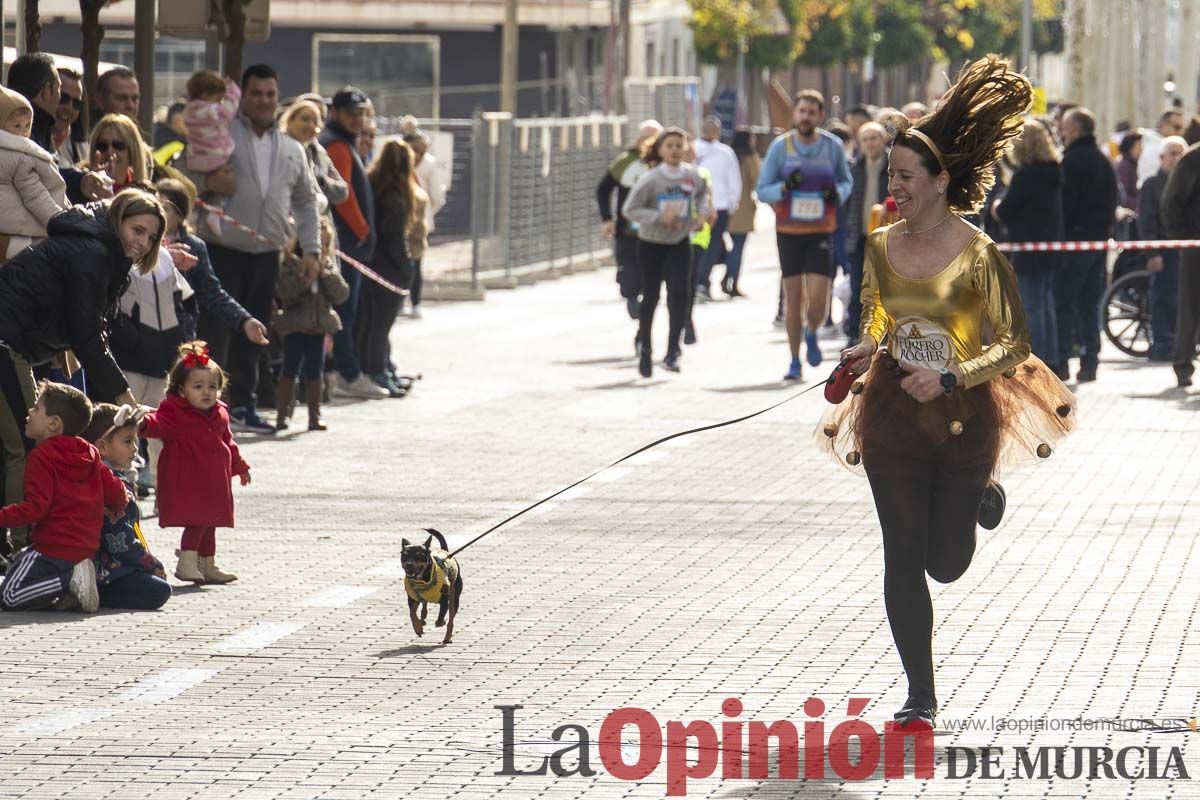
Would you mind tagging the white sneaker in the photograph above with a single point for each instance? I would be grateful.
(361, 387)
(83, 586)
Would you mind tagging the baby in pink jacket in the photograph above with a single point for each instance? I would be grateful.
(212, 105)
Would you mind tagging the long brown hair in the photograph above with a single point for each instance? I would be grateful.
(392, 174)
(972, 125)
(650, 150)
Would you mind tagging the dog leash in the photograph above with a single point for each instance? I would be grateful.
(640, 450)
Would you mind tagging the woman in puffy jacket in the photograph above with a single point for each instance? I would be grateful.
(57, 296)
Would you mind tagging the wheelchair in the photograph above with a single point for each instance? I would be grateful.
(1125, 308)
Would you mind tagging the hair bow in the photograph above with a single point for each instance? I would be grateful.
(198, 357)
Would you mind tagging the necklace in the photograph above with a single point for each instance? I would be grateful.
(949, 214)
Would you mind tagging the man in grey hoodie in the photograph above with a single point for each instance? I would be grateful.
(269, 183)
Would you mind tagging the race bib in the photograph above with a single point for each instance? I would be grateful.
(806, 206)
(919, 344)
(677, 202)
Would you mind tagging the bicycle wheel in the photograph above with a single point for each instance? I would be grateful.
(1126, 310)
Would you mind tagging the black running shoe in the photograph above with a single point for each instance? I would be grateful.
(991, 507)
(920, 707)
(689, 334)
(671, 362)
(645, 367)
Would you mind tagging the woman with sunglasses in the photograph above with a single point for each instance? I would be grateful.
(117, 148)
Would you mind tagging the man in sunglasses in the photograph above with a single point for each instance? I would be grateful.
(67, 133)
(34, 76)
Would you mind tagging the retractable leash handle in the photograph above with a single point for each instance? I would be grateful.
(839, 383)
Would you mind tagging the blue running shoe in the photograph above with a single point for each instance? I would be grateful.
(793, 373)
(814, 349)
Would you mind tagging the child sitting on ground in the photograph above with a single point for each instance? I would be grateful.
(67, 489)
(305, 319)
(126, 574)
(198, 461)
(31, 190)
(212, 105)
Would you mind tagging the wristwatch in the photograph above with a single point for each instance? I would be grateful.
(949, 381)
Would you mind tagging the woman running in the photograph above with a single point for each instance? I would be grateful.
(938, 409)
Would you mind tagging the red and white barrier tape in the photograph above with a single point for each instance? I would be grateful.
(358, 265)
(1110, 244)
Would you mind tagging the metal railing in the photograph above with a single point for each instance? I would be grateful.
(670, 100)
(534, 194)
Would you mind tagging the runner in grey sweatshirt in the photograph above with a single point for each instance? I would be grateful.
(667, 204)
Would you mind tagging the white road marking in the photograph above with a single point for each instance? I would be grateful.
(165, 685)
(613, 475)
(648, 457)
(544, 508)
(572, 493)
(337, 596)
(262, 634)
(62, 720)
(153, 688)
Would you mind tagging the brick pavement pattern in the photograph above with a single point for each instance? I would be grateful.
(734, 563)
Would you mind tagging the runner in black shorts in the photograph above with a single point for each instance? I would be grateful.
(806, 178)
(805, 254)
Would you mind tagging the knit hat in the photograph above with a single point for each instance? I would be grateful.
(10, 101)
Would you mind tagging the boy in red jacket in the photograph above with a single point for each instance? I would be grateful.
(67, 488)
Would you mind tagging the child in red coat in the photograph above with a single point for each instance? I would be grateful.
(198, 461)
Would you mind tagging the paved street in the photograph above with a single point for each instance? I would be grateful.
(734, 563)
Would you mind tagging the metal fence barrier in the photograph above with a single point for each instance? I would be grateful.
(670, 100)
(520, 204)
(534, 194)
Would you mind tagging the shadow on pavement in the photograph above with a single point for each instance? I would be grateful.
(832, 785)
(593, 362)
(755, 387)
(632, 383)
(412, 650)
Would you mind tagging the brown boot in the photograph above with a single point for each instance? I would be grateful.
(312, 394)
(285, 396)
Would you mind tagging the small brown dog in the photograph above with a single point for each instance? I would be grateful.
(431, 576)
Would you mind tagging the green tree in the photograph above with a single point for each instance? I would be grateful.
(901, 35)
(777, 32)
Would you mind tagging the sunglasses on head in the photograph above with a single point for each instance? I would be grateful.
(75, 102)
(116, 145)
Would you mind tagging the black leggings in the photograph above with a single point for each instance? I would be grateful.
(673, 263)
(927, 510)
(378, 308)
(304, 351)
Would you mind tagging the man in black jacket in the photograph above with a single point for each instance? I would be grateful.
(1181, 217)
(1089, 209)
(1164, 283)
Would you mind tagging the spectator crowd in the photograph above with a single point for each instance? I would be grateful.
(157, 289)
(1061, 181)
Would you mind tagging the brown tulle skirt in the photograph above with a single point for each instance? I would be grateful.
(1011, 419)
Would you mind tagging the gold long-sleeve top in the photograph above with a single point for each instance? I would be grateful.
(937, 321)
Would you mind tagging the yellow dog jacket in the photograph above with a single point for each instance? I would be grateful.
(431, 590)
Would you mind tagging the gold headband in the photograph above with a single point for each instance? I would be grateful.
(933, 148)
